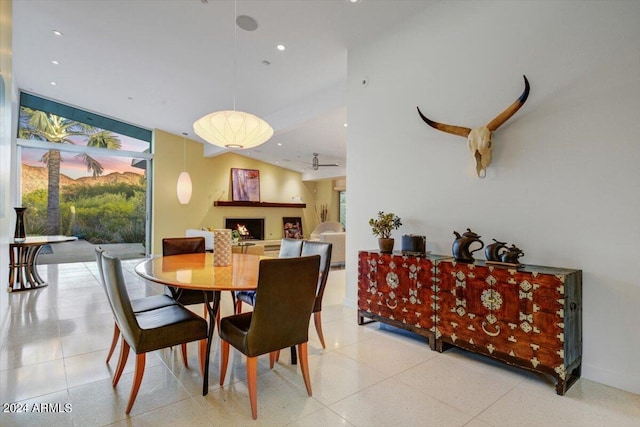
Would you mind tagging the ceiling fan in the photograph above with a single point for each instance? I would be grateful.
(316, 163)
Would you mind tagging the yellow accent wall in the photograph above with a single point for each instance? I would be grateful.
(211, 178)
(326, 195)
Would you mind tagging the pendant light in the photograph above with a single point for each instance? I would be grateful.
(184, 187)
(231, 128)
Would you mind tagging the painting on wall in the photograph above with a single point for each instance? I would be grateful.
(292, 227)
(245, 185)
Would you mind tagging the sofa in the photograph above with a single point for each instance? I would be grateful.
(208, 237)
(332, 232)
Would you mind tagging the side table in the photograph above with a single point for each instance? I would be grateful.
(23, 259)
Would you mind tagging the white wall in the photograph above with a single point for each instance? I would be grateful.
(564, 184)
(7, 129)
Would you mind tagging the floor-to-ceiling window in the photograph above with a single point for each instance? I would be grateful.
(82, 179)
(343, 208)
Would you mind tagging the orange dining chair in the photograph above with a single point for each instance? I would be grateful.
(138, 305)
(280, 318)
(310, 247)
(289, 248)
(149, 330)
(179, 246)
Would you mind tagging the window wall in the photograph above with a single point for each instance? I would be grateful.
(343, 209)
(80, 179)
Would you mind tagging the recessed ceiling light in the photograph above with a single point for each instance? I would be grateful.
(346, 125)
(354, 1)
(54, 62)
(58, 33)
(279, 144)
(53, 83)
(281, 47)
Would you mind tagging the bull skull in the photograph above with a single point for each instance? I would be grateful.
(479, 139)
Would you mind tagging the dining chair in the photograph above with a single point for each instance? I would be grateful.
(138, 305)
(289, 248)
(149, 330)
(280, 318)
(310, 247)
(179, 246)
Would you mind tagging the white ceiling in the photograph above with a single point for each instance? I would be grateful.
(165, 63)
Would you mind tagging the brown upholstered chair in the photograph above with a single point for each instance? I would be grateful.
(179, 246)
(289, 248)
(139, 304)
(324, 250)
(185, 245)
(149, 330)
(280, 318)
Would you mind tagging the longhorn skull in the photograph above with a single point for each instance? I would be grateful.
(479, 139)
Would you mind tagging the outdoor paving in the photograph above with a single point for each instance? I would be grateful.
(83, 251)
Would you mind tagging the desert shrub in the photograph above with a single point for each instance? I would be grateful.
(36, 214)
(113, 213)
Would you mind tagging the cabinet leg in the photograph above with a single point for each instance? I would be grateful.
(563, 385)
(361, 320)
(441, 346)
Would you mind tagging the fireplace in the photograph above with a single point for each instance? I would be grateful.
(249, 228)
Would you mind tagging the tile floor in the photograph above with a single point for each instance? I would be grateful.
(55, 345)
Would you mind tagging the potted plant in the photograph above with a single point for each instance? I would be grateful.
(382, 226)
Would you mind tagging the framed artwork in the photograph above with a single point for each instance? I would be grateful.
(292, 227)
(245, 185)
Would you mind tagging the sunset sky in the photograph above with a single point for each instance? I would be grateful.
(75, 168)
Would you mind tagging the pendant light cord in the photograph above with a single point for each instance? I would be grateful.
(184, 154)
(235, 42)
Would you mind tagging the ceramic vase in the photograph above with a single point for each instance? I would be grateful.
(19, 235)
(385, 245)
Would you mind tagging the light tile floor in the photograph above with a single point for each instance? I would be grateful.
(55, 345)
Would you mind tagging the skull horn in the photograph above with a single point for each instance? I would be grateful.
(511, 110)
(456, 130)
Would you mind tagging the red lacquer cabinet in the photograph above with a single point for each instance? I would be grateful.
(398, 290)
(530, 316)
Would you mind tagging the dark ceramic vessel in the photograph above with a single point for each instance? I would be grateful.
(461, 245)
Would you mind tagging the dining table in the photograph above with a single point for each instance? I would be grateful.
(198, 272)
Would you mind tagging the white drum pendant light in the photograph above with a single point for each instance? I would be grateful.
(231, 128)
(184, 187)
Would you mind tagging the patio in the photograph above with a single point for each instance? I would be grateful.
(83, 251)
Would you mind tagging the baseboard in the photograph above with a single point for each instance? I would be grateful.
(350, 302)
(627, 382)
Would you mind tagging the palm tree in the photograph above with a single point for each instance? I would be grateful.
(35, 124)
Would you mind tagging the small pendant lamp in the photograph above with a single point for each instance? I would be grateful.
(231, 128)
(184, 187)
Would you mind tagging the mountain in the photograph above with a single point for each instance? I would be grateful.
(35, 178)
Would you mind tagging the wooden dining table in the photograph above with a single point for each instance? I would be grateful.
(198, 272)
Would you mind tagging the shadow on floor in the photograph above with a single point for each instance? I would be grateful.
(83, 251)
